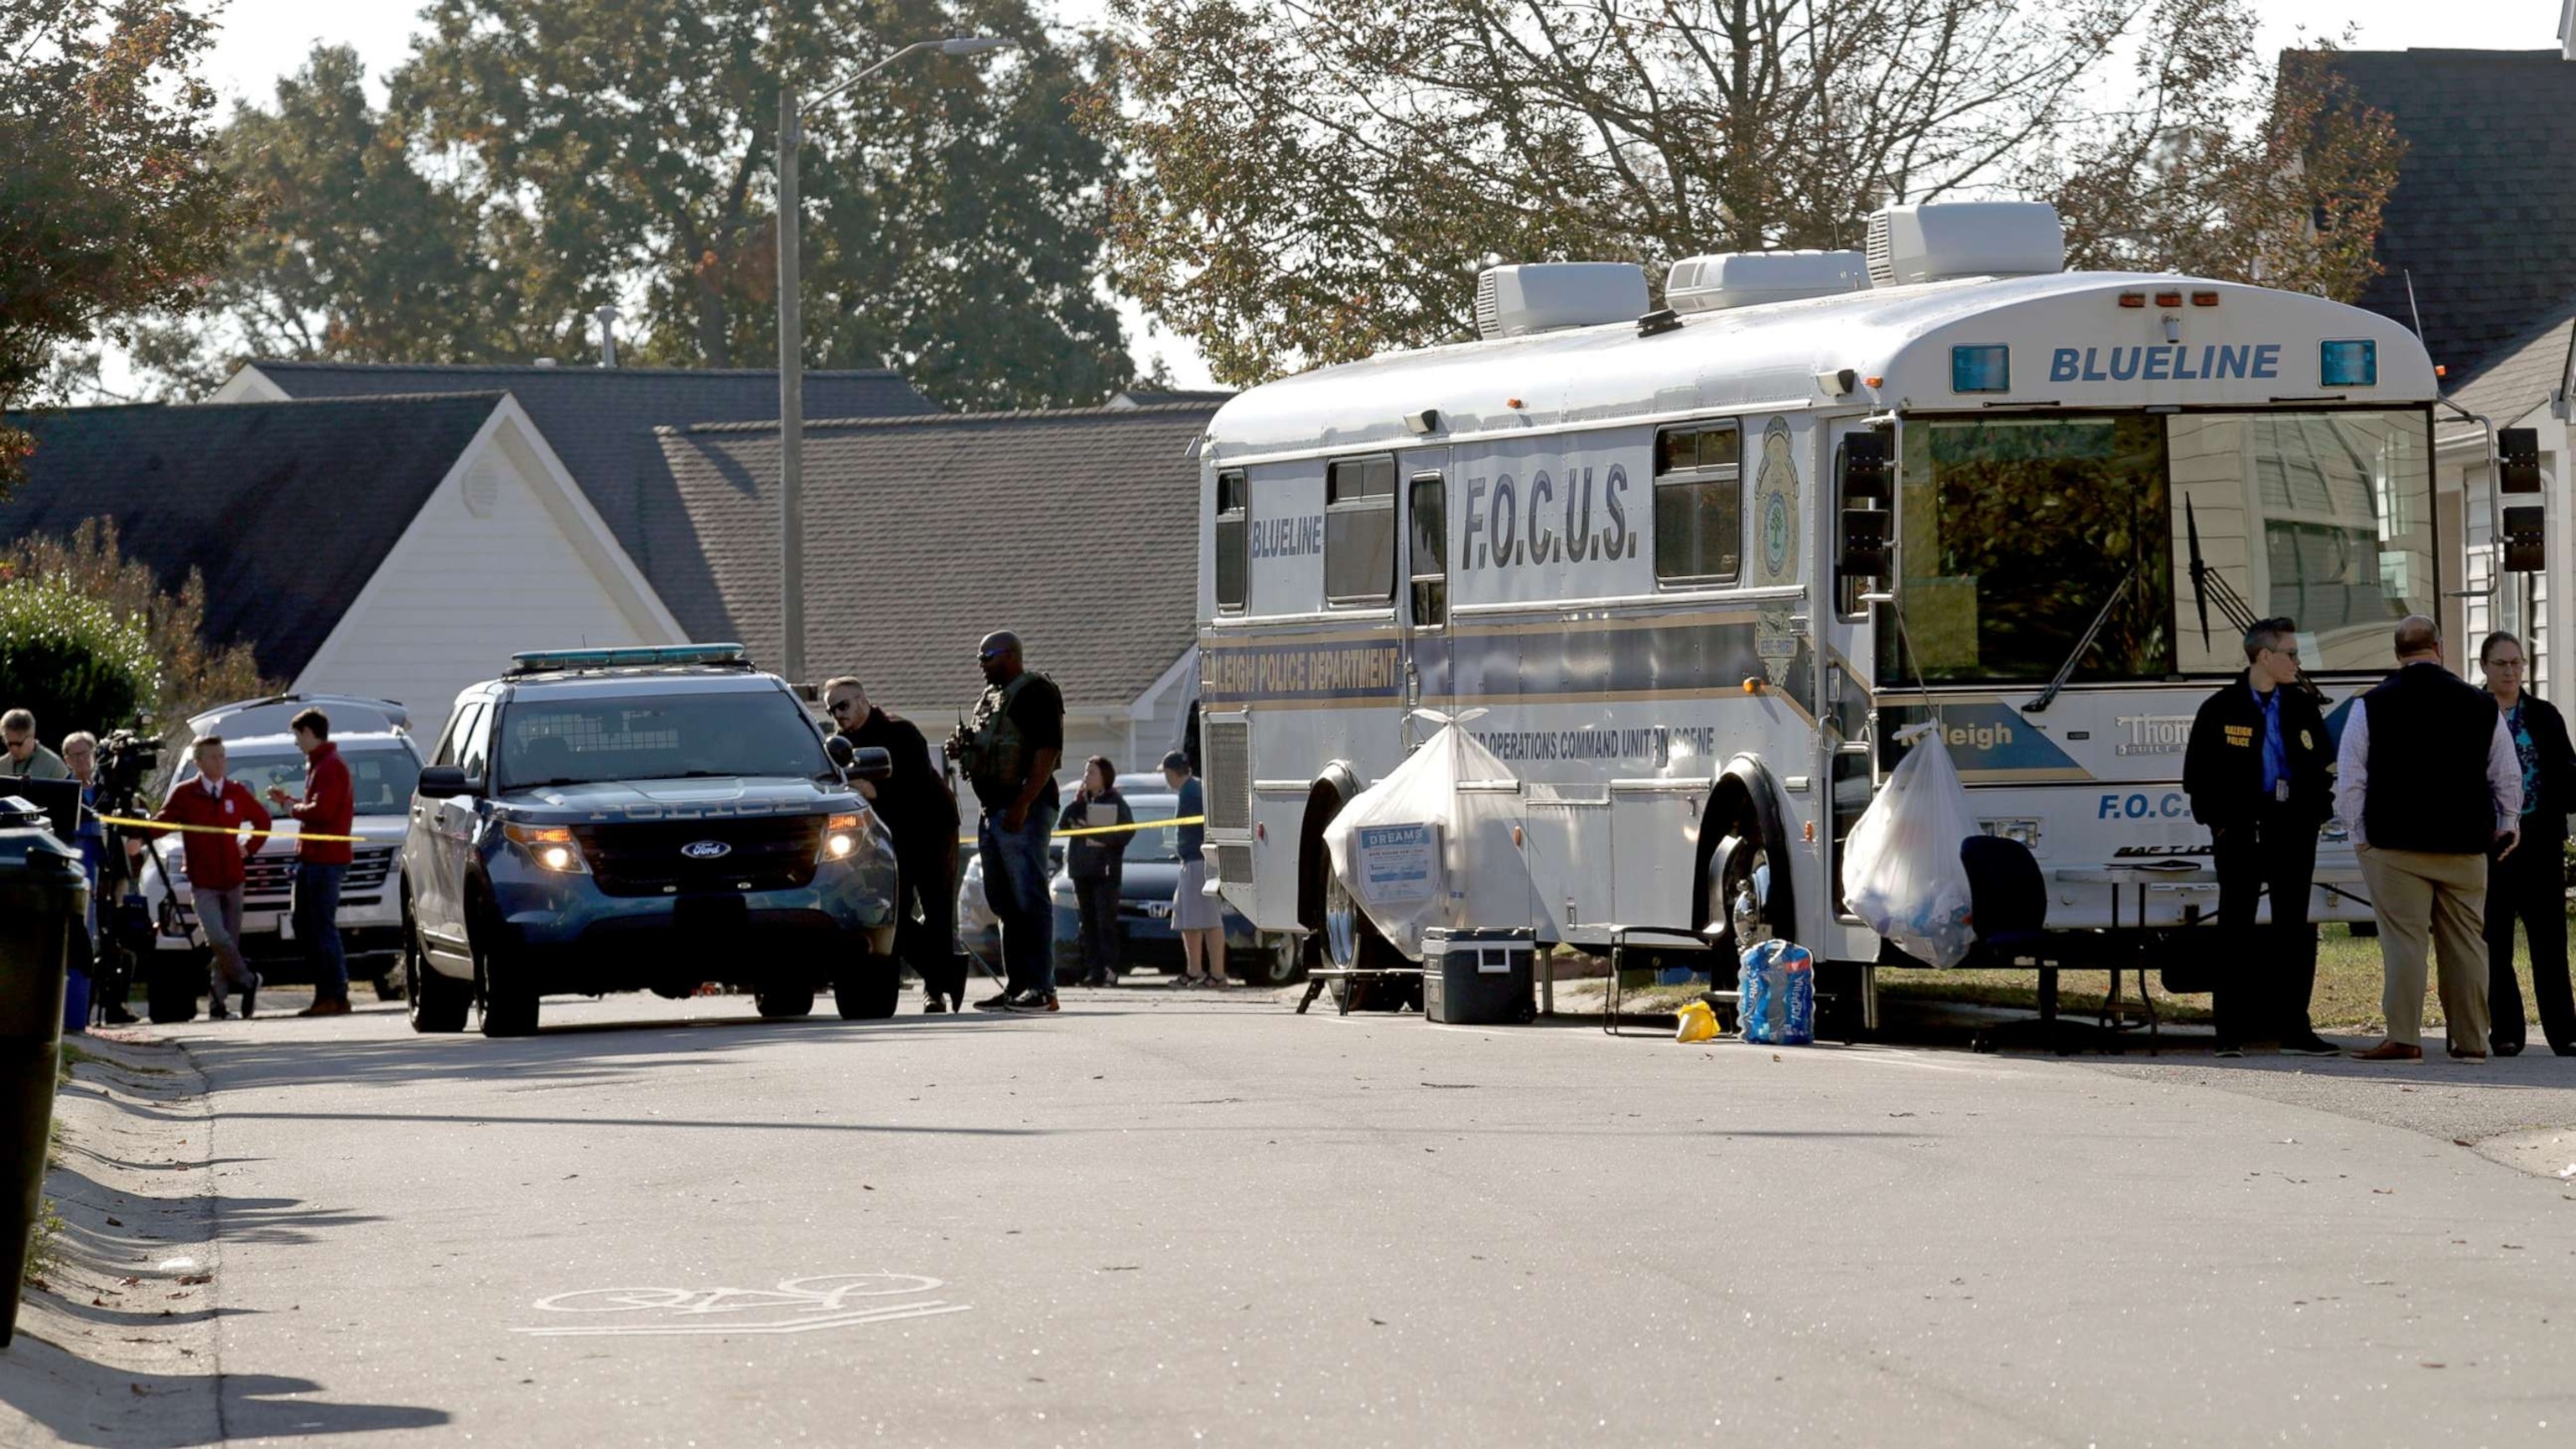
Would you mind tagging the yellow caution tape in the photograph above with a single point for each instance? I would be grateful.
(1110, 829)
(232, 830)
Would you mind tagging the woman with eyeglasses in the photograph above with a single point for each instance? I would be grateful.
(2530, 884)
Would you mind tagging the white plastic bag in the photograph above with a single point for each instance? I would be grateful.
(1414, 850)
(1901, 870)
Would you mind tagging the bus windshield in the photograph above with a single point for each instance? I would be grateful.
(2017, 532)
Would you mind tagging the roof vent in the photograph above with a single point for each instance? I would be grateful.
(1746, 279)
(1936, 242)
(1544, 296)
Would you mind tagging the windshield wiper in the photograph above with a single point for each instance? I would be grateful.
(2084, 645)
(2199, 569)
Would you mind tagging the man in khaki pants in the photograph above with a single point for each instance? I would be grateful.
(2427, 782)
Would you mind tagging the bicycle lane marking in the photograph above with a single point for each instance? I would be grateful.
(795, 1305)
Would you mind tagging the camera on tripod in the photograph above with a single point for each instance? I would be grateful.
(126, 759)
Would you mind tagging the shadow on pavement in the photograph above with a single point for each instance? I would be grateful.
(80, 1402)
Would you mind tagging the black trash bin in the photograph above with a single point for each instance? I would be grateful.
(44, 899)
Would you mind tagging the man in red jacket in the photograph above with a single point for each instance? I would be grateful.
(329, 807)
(221, 808)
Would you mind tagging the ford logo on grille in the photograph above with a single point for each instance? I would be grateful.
(706, 850)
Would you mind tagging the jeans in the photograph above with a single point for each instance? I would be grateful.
(1098, 901)
(1015, 882)
(317, 925)
(220, 914)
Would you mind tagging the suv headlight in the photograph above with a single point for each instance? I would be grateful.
(841, 837)
(550, 846)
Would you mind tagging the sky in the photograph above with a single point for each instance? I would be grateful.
(263, 39)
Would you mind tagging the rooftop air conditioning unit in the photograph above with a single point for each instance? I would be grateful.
(1544, 296)
(1933, 243)
(1746, 279)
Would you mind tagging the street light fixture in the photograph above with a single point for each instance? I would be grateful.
(792, 111)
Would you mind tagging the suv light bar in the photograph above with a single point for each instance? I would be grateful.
(537, 661)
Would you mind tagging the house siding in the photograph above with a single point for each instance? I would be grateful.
(462, 591)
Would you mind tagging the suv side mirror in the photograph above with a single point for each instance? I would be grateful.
(441, 782)
(840, 751)
(871, 763)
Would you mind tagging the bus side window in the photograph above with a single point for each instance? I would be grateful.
(1359, 531)
(1428, 509)
(1233, 542)
(1699, 504)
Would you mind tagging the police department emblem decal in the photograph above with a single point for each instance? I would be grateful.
(1775, 505)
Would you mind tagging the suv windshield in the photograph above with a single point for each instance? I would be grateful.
(381, 776)
(580, 739)
(2016, 532)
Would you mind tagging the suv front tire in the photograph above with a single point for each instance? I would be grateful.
(435, 1003)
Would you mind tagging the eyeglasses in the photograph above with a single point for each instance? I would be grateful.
(2494, 665)
(990, 655)
(842, 706)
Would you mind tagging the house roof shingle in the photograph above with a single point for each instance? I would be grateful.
(2524, 372)
(288, 509)
(1073, 527)
(600, 422)
(2485, 205)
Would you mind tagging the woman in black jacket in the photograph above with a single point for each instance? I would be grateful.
(1095, 863)
(2530, 883)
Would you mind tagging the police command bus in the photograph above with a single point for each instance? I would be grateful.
(1699, 569)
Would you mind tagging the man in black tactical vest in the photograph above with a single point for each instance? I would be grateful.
(2257, 773)
(2428, 783)
(1009, 752)
(922, 817)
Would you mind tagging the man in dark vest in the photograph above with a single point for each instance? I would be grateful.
(2428, 784)
(922, 817)
(2258, 774)
(1009, 753)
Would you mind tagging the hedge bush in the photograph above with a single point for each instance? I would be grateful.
(71, 660)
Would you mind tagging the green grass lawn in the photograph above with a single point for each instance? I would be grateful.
(2346, 999)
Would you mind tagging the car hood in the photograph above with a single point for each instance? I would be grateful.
(727, 796)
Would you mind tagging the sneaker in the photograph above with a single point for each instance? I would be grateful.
(215, 1011)
(1095, 981)
(2312, 1045)
(117, 1015)
(995, 1003)
(336, 1006)
(250, 993)
(934, 1007)
(1032, 1001)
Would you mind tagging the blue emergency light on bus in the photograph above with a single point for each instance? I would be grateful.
(2348, 364)
(1981, 369)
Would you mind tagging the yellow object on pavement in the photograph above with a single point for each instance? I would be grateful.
(1698, 1023)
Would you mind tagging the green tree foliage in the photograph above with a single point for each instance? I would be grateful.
(1322, 179)
(71, 659)
(111, 204)
(541, 158)
(193, 674)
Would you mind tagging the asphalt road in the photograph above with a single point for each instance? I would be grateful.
(1167, 1218)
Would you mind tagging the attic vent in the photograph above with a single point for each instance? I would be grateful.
(1745, 279)
(482, 488)
(1933, 243)
(1544, 296)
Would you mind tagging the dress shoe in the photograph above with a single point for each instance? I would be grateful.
(334, 1007)
(935, 1006)
(2312, 1046)
(2390, 1051)
(2505, 1048)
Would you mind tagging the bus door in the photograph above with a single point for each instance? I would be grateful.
(1424, 562)
(1855, 564)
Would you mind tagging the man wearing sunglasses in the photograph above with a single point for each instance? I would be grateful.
(1009, 752)
(922, 817)
(2256, 773)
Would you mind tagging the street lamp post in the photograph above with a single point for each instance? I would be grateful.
(791, 360)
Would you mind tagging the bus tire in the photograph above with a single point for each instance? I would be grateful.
(1741, 831)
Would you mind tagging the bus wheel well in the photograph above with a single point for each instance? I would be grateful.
(1744, 803)
(1332, 790)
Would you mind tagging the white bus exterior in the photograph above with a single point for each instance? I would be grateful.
(1620, 541)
